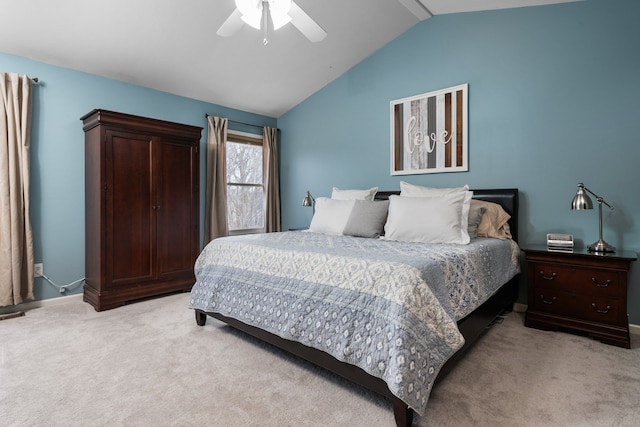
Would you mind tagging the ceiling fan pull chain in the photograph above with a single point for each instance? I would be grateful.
(265, 22)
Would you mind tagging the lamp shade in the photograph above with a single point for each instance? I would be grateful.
(581, 200)
(308, 200)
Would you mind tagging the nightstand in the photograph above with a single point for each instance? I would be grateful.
(580, 291)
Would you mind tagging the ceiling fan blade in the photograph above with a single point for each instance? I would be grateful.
(231, 26)
(305, 24)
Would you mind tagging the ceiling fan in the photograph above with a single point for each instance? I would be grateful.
(262, 14)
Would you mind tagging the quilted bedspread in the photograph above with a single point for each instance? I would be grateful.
(388, 307)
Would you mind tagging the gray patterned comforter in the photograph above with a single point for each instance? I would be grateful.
(388, 307)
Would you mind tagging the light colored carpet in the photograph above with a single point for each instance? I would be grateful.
(149, 364)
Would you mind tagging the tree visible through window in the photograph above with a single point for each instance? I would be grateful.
(245, 189)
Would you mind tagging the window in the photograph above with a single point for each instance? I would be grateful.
(245, 188)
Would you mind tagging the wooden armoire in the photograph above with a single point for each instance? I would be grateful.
(141, 207)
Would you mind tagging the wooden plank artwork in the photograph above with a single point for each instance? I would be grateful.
(429, 132)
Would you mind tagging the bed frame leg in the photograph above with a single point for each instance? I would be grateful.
(402, 413)
(201, 318)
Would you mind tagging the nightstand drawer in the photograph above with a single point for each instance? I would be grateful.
(554, 301)
(597, 282)
(602, 310)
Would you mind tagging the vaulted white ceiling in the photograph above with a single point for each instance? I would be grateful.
(172, 46)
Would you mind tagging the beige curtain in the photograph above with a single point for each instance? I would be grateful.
(215, 221)
(16, 241)
(271, 179)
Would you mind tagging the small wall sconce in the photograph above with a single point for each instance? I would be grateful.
(582, 201)
(309, 201)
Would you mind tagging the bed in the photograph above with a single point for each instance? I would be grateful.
(361, 307)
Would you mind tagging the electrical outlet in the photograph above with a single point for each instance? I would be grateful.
(38, 269)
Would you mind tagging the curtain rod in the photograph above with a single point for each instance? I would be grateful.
(240, 123)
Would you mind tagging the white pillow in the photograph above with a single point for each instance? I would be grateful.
(429, 219)
(354, 194)
(331, 215)
(411, 190)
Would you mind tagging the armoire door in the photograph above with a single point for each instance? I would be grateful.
(176, 208)
(130, 224)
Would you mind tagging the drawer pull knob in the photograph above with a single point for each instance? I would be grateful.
(544, 301)
(601, 285)
(605, 311)
(553, 276)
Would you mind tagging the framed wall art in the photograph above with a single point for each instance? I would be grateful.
(429, 132)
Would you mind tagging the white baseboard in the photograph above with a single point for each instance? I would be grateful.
(521, 308)
(37, 304)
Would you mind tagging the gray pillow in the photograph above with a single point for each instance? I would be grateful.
(475, 217)
(367, 218)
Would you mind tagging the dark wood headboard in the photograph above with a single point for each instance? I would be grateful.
(505, 197)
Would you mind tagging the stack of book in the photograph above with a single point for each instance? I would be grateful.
(560, 242)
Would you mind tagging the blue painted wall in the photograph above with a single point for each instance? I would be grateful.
(57, 154)
(553, 101)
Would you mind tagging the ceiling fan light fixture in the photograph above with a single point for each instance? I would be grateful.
(280, 12)
(246, 7)
(279, 20)
(280, 6)
(251, 11)
(253, 19)
(269, 15)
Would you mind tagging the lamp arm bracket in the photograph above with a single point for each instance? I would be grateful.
(598, 198)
